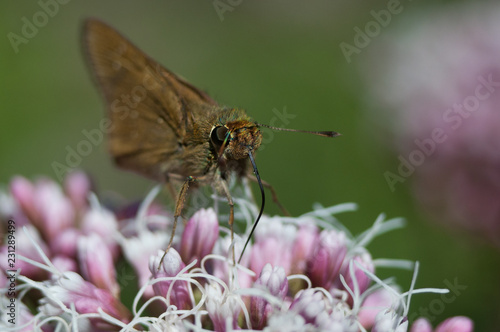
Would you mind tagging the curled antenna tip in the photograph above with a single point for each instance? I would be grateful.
(329, 133)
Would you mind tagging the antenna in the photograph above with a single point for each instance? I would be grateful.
(319, 133)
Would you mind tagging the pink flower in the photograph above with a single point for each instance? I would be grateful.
(456, 324)
(308, 303)
(25, 247)
(275, 282)
(66, 242)
(374, 303)
(170, 267)
(96, 263)
(216, 295)
(389, 321)
(361, 279)
(273, 245)
(453, 324)
(303, 247)
(77, 186)
(64, 264)
(221, 269)
(23, 193)
(445, 114)
(324, 264)
(44, 204)
(55, 212)
(199, 236)
(223, 307)
(101, 221)
(321, 313)
(138, 250)
(71, 289)
(421, 325)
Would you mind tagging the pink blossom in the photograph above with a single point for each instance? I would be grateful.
(360, 277)
(327, 258)
(222, 307)
(444, 114)
(374, 303)
(71, 289)
(421, 325)
(23, 193)
(171, 265)
(54, 211)
(66, 242)
(77, 186)
(309, 304)
(273, 245)
(303, 247)
(275, 282)
(456, 324)
(199, 236)
(96, 263)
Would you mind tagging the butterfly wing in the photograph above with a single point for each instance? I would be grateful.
(150, 108)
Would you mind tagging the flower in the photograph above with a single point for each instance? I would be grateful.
(199, 236)
(443, 112)
(389, 321)
(176, 291)
(71, 290)
(223, 307)
(374, 303)
(273, 245)
(77, 282)
(323, 313)
(44, 204)
(355, 279)
(456, 324)
(453, 324)
(327, 258)
(304, 246)
(275, 282)
(96, 263)
(77, 187)
(421, 325)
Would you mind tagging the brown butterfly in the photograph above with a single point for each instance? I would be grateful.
(168, 130)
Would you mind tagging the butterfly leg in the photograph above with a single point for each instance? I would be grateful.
(225, 189)
(252, 177)
(179, 206)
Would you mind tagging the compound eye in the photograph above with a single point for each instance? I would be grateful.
(218, 135)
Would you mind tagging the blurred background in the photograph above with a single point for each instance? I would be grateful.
(379, 72)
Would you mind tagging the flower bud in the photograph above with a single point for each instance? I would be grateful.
(275, 282)
(456, 324)
(324, 265)
(199, 236)
(96, 263)
(171, 265)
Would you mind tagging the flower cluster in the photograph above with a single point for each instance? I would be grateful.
(440, 92)
(300, 274)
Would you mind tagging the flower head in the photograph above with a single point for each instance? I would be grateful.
(444, 113)
(78, 282)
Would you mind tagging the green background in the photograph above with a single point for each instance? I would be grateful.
(263, 55)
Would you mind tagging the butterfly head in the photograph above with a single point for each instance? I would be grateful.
(234, 139)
